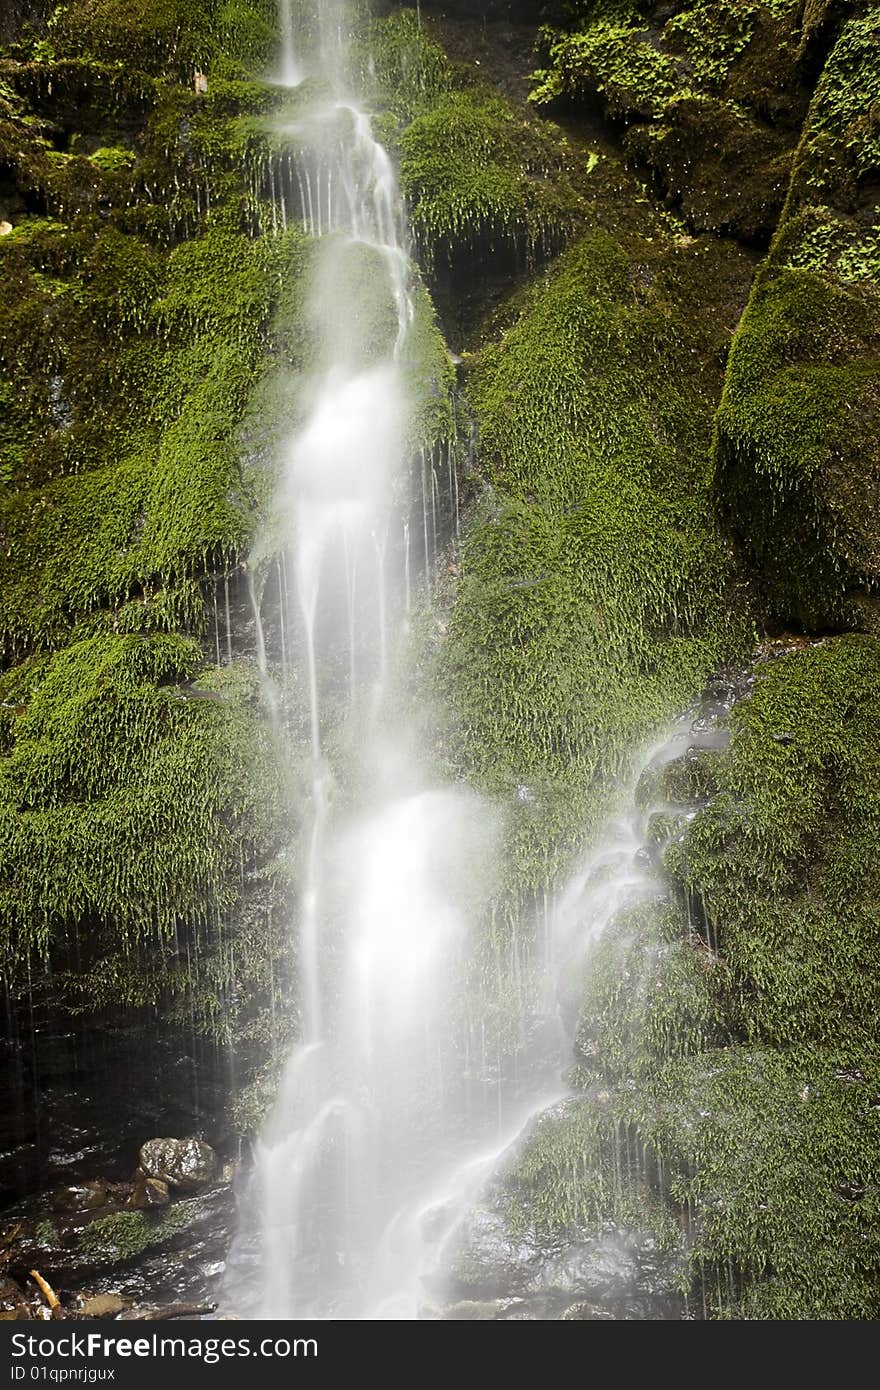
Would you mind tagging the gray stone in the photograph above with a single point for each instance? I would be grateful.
(186, 1164)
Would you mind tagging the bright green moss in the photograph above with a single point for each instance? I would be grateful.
(651, 990)
(774, 1155)
(402, 69)
(732, 1086)
(796, 431)
(579, 1169)
(611, 59)
(713, 36)
(845, 104)
(167, 37)
(471, 167)
(590, 599)
(127, 796)
(797, 439)
(718, 88)
(176, 345)
(113, 1240)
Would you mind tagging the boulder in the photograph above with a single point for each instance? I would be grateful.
(185, 1164)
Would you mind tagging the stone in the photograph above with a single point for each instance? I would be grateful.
(102, 1305)
(185, 1164)
(615, 1267)
(86, 1196)
(148, 1192)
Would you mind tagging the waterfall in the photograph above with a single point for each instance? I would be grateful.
(404, 1090)
(390, 876)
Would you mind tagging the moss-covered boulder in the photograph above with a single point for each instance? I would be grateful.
(143, 312)
(781, 859)
(742, 1053)
(799, 424)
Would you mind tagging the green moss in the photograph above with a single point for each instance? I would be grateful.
(403, 70)
(733, 1087)
(471, 168)
(578, 1170)
(845, 105)
(116, 1239)
(129, 796)
(590, 597)
(774, 1154)
(147, 363)
(796, 431)
(781, 858)
(717, 87)
(651, 990)
(609, 59)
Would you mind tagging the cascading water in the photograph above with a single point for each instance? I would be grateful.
(400, 1098)
(387, 885)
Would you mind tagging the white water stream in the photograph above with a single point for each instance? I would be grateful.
(397, 1103)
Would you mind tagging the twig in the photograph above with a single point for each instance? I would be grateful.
(46, 1290)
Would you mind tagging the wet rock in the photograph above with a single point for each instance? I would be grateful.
(469, 1311)
(164, 1312)
(185, 1164)
(148, 1192)
(228, 1172)
(87, 1196)
(102, 1305)
(105, 1251)
(587, 1312)
(12, 1296)
(618, 1267)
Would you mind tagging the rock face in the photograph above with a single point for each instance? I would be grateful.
(185, 1164)
(495, 1272)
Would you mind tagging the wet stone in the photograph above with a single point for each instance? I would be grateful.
(148, 1192)
(185, 1164)
(102, 1305)
(87, 1196)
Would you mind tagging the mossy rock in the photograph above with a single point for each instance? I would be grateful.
(652, 989)
(477, 175)
(131, 793)
(713, 88)
(589, 607)
(799, 425)
(798, 444)
(692, 154)
(781, 858)
(774, 1154)
(726, 1043)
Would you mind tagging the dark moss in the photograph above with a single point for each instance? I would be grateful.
(692, 95)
